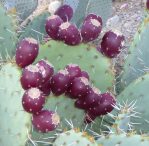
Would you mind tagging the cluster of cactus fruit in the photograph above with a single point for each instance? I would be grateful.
(39, 80)
(77, 89)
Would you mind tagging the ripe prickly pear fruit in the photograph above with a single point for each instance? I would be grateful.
(69, 33)
(73, 70)
(26, 52)
(46, 88)
(85, 74)
(65, 12)
(112, 43)
(60, 82)
(33, 100)
(90, 30)
(147, 4)
(90, 100)
(52, 26)
(93, 16)
(79, 88)
(31, 77)
(46, 69)
(106, 105)
(89, 118)
(46, 121)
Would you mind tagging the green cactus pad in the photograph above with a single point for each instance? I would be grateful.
(23, 7)
(14, 121)
(87, 57)
(8, 36)
(36, 28)
(123, 140)
(137, 61)
(74, 138)
(138, 91)
(65, 108)
(102, 8)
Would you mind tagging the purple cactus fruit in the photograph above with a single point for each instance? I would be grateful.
(60, 82)
(93, 16)
(90, 30)
(33, 100)
(46, 69)
(69, 34)
(85, 74)
(112, 43)
(147, 4)
(46, 88)
(31, 77)
(105, 106)
(89, 118)
(52, 26)
(73, 70)
(92, 98)
(26, 52)
(79, 88)
(46, 121)
(65, 12)
(80, 103)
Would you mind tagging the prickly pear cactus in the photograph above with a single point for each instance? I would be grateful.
(87, 57)
(66, 110)
(14, 123)
(8, 36)
(137, 61)
(138, 91)
(123, 139)
(74, 138)
(99, 7)
(35, 28)
(23, 7)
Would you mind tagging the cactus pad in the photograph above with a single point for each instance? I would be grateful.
(137, 61)
(8, 36)
(74, 138)
(36, 28)
(87, 57)
(14, 121)
(123, 140)
(138, 91)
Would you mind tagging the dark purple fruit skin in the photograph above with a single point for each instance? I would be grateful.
(65, 12)
(78, 89)
(46, 88)
(80, 103)
(52, 26)
(73, 70)
(69, 34)
(105, 106)
(33, 104)
(46, 69)
(91, 100)
(45, 121)
(147, 4)
(30, 78)
(85, 74)
(89, 118)
(111, 44)
(93, 16)
(60, 82)
(90, 31)
(26, 52)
